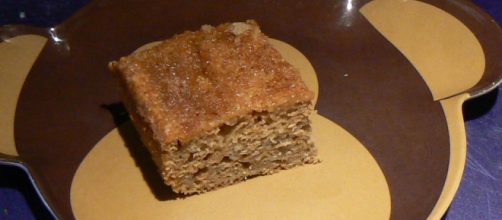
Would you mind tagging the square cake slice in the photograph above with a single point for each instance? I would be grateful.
(217, 106)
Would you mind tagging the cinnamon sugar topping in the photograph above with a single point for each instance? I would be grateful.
(196, 81)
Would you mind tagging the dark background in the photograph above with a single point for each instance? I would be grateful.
(479, 195)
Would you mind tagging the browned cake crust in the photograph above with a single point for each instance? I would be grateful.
(188, 86)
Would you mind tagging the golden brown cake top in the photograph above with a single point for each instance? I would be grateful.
(196, 81)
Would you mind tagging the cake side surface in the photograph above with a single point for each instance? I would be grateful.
(260, 143)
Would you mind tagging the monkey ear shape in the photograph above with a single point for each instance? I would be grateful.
(444, 51)
(17, 56)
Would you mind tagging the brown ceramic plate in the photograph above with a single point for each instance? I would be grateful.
(391, 76)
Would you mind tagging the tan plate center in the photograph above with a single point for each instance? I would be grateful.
(348, 184)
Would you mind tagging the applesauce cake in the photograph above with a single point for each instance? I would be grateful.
(217, 106)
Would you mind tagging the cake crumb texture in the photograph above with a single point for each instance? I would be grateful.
(217, 106)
